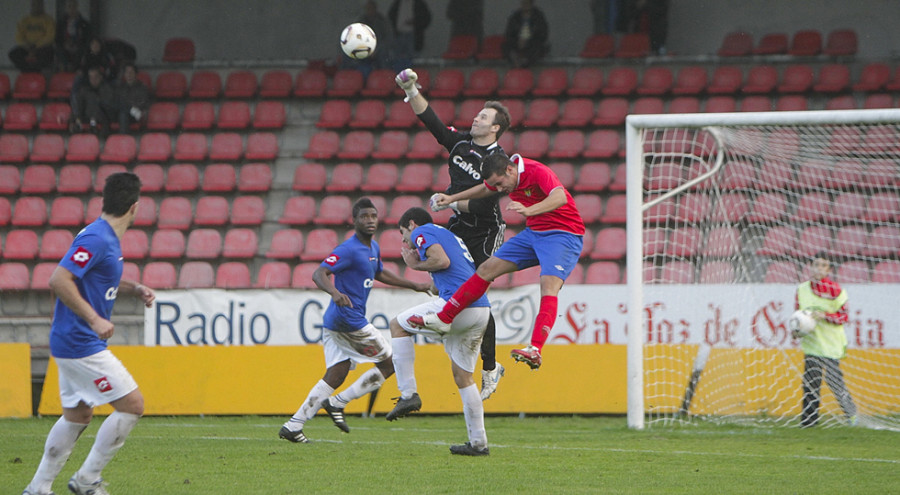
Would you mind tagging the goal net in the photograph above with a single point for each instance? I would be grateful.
(725, 213)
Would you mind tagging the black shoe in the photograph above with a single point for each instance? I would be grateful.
(467, 449)
(404, 407)
(337, 415)
(292, 436)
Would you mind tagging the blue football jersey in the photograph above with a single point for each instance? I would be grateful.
(461, 266)
(354, 266)
(95, 258)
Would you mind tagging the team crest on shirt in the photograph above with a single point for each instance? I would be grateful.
(420, 240)
(103, 384)
(332, 260)
(81, 256)
(528, 192)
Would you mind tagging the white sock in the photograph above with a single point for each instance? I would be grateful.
(367, 382)
(404, 365)
(311, 405)
(60, 442)
(473, 411)
(110, 438)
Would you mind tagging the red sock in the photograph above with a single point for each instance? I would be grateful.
(467, 293)
(544, 321)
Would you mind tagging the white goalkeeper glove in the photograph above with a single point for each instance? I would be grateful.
(436, 207)
(407, 80)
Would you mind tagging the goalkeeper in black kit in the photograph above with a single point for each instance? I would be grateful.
(478, 222)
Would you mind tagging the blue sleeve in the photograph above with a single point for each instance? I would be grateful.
(338, 260)
(84, 253)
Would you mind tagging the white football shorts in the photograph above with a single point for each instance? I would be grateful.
(463, 341)
(95, 380)
(366, 345)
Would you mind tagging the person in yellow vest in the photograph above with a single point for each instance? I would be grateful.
(34, 40)
(826, 345)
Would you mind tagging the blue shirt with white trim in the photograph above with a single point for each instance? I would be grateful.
(354, 266)
(462, 266)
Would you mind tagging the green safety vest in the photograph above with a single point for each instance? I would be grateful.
(828, 339)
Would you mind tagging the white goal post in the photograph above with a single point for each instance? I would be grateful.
(724, 213)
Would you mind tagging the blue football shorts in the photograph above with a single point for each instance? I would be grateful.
(556, 251)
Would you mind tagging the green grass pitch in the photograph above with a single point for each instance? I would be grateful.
(557, 454)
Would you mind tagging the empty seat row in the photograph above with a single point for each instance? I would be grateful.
(202, 115)
(722, 272)
(803, 43)
(152, 147)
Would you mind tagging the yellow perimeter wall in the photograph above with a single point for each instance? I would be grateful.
(573, 379)
(15, 381)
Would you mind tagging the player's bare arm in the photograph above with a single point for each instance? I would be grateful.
(142, 291)
(322, 278)
(435, 258)
(390, 278)
(475, 192)
(554, 200)
(62, 282)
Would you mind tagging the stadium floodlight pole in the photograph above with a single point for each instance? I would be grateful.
(636, 205)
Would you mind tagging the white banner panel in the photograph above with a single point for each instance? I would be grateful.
(719, 315)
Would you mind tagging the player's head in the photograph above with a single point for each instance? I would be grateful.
(121, 193)
(821, 265)
(500, 172)
(491, 121)
(412, 218)
(365, 216)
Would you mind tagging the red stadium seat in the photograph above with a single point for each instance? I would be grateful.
(159, 275)
(883, 241)
(379, 84)
(448, 83)
(66, 211)
(517, 83)
(240, 243)
(445, 110)
(647, 105)
(335, 114)
(806, 43)
(21, 245)
(5, 212)
(182, 177)
(234, 115)
(725, 80)
(577, 112)
(565, 172)
(599, 45)
(603, 272)
(850, 240)
(60, 85)
(768, 208)
(879, 100)
(416, 177)
(248, 210)
(103, 172)
(656, 81)
(30, 211)
(789, 103)
(38, 179)
(241, 84)
(155, 147)
(333, 210)
(345, 177)
(233, 275)
(301, 277)
(589, 205)
(135, 244)
(398, 207)
(83, 148)
(847, 207)
(567, 144)
(461, 47)
(424, 147)
(491, 48)
(54, 244)
(843, 102)
(611, 112)
(622, 81)
(602, 144)
(756, 103)
(163, 116)
(309, 177)
(205, 84)
(311, 83)
(298, 210)
(882, 207)
(812, 239)
(204, 244)
(319, 244)
(196, 275)
(357, 145)
(20, 117)
(853, 272)
(146, 213)
(171, 85)
(633, 45)
(219, 177)
(269, 115)
(175, 212)
(255, 177)
(736, 44)
(286, 244)
(772, 44)
(29, 86)
(586, 81)
(684, 104)
(542, 112)
(119, 148)
(179, 50)
(211, 211)
(5, 86)
(731, 207)
(691, 80)
(551, 81)
(392, 145)
(761, 79)
(721, 104)
(840, 43)
(346, 83)
(390, 242)
(874, 77)
(198, 115)
(609, 244)
(717, 272)
(226, 147)
(40, 276)
(14, 276)
(796, 79)
(482, 82)
(75, 179)
(722, 242)
(55, 116)
(533, 144)
(261, 146)
(593, 177)
(833, 78)
(381, 177)
(323, 145)
(9, 179)
(275, 84)
(401, 116)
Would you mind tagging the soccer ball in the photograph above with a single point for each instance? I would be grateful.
(358, 41)
(802, 322)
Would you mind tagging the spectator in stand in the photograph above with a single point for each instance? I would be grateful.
(132, 98)
(73, 33)
(409, 19)
(98, 56)
(93, 104)
(34, 40)
(526, 35)
(384, 33)
(466, 17)
(648, 16)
